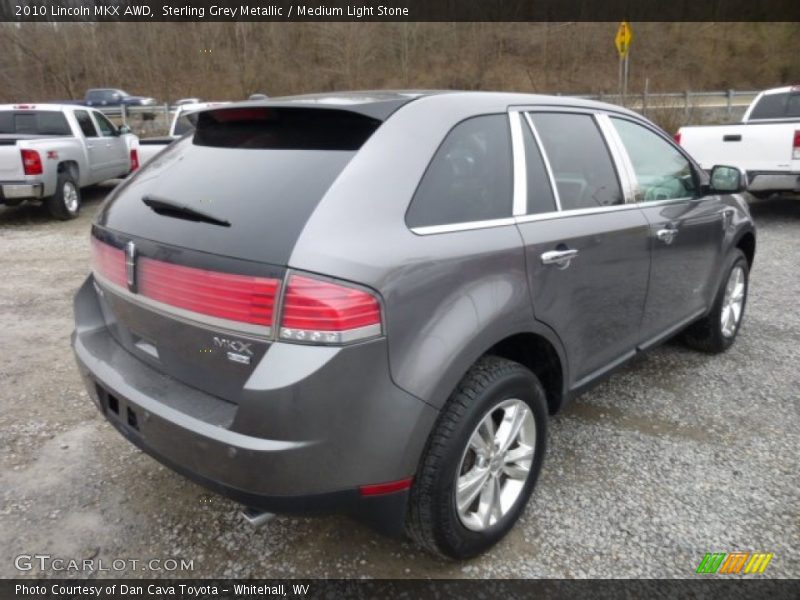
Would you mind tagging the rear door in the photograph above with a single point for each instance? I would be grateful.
(686, 228)
(95, 149)
(586, 246)
(115, 154)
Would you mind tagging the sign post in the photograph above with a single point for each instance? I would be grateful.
(623, 43)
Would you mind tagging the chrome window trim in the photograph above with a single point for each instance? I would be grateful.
(520, 173)
(619, 155)
(259, 332)
(546, 161)
(576, 212)
(466, 226)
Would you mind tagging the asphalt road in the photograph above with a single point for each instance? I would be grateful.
(676, 455)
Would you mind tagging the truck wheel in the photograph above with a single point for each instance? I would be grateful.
(716, 331)
(66, 202)
(481, 462)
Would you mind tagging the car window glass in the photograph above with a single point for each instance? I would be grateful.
(579, 159)
(85, 122)
(36, 123)
(771, 106)
(183, 125)
(793, 106)
(469, 177)
(662, 172)
(107, 129)
(540, 193)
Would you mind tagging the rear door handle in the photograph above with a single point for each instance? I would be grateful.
(560, 258)
(667, 235)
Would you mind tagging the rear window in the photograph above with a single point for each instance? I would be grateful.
(268, 128)
(777, 106)
(43, 122)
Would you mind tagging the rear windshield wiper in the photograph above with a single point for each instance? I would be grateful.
(168, 208)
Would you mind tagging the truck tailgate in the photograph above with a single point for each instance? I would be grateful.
(10, 161)
(753, 147)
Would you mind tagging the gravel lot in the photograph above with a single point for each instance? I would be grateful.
(676, 455)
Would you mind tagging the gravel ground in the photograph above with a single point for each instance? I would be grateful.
(676, 455)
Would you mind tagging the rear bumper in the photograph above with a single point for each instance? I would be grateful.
(360, 440)
(760, 181)
(20, 190)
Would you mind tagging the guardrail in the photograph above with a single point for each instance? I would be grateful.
(156, 119)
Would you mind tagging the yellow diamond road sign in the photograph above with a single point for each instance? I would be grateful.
(623, 39)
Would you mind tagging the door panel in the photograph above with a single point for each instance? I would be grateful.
(682, 269)
(114, 148)
(595, 304)
(95, 148)
(686, 231)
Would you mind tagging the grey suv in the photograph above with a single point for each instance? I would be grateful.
(370, 303)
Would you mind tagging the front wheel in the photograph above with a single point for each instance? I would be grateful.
(717, 331)
(481, 462)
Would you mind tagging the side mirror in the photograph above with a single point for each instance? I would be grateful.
(124, 130)
(727, 180)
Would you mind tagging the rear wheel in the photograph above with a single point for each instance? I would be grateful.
(66, 202)
(481, 462)
(717, 331)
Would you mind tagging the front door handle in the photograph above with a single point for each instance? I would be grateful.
(560, 258)
(667, 235)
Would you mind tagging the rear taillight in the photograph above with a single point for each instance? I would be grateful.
(313, 311)
(677, 137)
(319, 311)
(134, 159)
(242, 298)
(796, 146)
(31, 162)
(109, 263)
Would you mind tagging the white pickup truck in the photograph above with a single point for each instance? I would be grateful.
(48, 152)
(181, 125)
(766, 145)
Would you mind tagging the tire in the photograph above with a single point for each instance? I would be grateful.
(709, 334)
(493, 386)
(66, 202)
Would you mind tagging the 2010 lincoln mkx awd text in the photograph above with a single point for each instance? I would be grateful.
(371, 302)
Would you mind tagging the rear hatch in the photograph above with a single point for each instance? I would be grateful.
(190, 253)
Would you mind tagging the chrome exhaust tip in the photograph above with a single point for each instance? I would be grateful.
(256, 517)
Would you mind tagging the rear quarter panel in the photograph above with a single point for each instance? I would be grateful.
(447, 298)
(752, 147)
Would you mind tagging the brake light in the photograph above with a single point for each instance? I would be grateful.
(109, 262)
(796, 146)
(242, 298)
(677, 138)
(134, 159)
(31, 162)
(325, 312)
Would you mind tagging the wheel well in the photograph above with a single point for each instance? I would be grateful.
(747, 244)
(70, 166)
(539, 355)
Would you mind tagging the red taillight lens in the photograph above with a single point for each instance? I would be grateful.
(134, 159)
(243, 298)
(109, 262)
(677, 137)
(796, 146)
(391, 487)
(325, 312)
(31, 162)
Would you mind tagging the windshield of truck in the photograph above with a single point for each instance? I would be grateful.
(42, 122)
